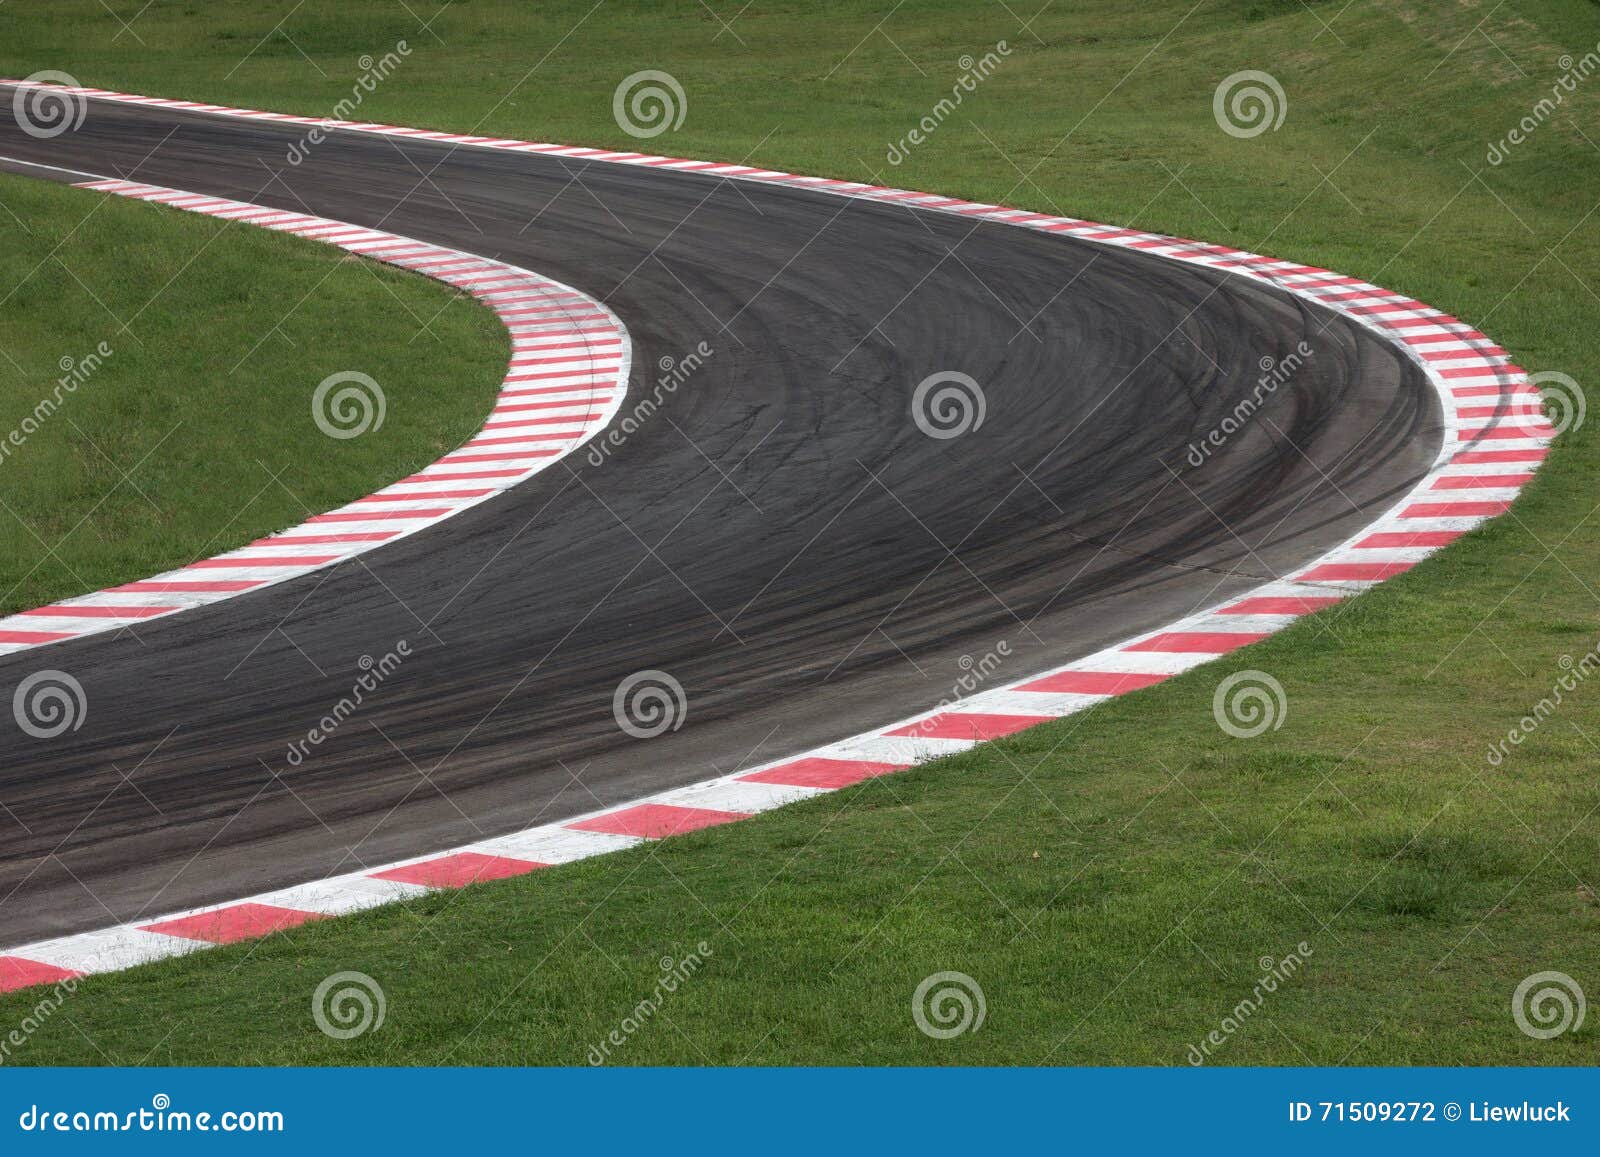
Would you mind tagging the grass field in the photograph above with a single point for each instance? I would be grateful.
(184, 362)
(1113, 882)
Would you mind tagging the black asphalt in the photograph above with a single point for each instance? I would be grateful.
(780, 537)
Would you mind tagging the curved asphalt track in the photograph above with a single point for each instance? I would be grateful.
(780, 536)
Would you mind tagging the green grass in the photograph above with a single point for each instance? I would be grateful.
(1111, 881)
(194, 434)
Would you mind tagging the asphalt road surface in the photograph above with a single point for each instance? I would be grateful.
(781, 537)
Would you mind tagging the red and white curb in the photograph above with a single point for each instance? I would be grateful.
(568, 374)
(1495, 436)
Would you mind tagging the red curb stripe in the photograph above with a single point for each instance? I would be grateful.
(1416, 322)
(420, 496)
(820, 772)
(467, 477)
(326, 539)
(15, 973)
(1468, 336)
(654, 821)
(1094, 682)
(1492, 433)
(1360, 571)
(536, 344)
(1198, 642)
(583, 394)
(524, 316)
(1403, 306)
(1534, 455)
(1407, 538)
(456, 459)
(515, 439)
(275, 560)
(1528, 409)
(1463, 354)
(9, 636)
(1481, 481)
(609, 360)
(459, 870)
(182, 586)
(547, 420)
(530, 407)
(236, 922)
(517, 297)
(1287, 605)
(970, 725)
(520, 294)
(1348, 295)
(385, 515)
(97, 612)
(1497, 389)
(1509, 374)
(1454, 509)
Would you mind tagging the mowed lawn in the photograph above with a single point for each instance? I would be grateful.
(1114, 883)
(156, 378)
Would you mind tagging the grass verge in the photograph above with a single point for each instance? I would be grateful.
(177, 356)
(1114, 881)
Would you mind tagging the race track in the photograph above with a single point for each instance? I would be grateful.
(781, 536)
